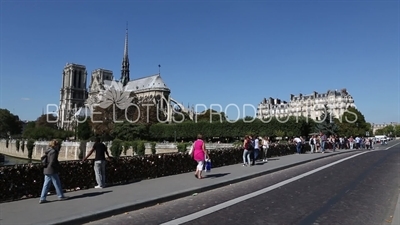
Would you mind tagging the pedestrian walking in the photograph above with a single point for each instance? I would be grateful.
(265, 146)
(200, 154)
(50, 171)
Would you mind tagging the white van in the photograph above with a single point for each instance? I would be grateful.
(381, 138)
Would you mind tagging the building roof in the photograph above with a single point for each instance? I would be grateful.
(74, 65)
(140, 84)
(150, 82)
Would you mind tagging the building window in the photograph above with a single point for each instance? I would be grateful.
(79, 79)
(73, 79)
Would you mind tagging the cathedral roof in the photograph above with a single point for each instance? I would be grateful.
(145, 83)
(142, 84)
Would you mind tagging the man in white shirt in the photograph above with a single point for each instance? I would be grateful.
(358, 144)
(298, 144)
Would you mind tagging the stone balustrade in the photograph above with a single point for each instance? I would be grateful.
(71, 150)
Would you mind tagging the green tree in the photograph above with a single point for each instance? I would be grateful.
(397, 130)
(116, 148)
(328, 125)
(130, 131)
(17, 144)
(140, 148)
(352, 123)
(84, 130)
(211, 115)
(47, 120)
(9, 123)
(45, 128)
(29, 129)
(22, 145)
(30, 145)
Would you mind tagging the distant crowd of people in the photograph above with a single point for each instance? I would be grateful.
(255, 146)
(258, 146)
(321, 142)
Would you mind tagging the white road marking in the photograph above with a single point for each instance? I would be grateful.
(392, 146)
(378, 148)
(221, 206)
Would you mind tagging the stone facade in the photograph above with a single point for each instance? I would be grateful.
(98, 77)
(76, 101)
(376, 126)
(73, 93)
(312, 106)
(70, 150)
(150, 89)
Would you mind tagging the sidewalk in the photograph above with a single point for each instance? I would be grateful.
(89, 204)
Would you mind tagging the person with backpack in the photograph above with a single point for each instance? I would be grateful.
(312, 142)
(50, 171)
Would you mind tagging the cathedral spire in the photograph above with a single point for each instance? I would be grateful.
(125, 61)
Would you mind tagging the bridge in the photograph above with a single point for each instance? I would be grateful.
(88, 206)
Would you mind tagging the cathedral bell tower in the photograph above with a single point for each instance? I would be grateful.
(125, 62)
(73, 93)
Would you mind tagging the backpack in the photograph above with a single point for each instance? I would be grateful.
(312, 141)
(250, 145)
(44, 160)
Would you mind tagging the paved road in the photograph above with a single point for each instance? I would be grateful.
(361, 190)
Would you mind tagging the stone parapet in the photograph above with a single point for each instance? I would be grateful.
(70, 150)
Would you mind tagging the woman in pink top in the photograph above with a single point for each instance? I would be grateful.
(199, 154)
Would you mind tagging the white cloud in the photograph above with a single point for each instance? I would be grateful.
(25, 99)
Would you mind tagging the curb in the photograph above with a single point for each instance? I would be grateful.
(396, 214)
(132, 206)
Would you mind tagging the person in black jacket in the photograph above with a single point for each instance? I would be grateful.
(51, 171)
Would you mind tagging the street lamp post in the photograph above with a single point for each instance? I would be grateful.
(175, 136)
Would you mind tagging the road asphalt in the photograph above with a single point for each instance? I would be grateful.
(94, 204)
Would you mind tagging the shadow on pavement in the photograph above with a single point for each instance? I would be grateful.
(273, 159)
(88, 195)
(216, 175)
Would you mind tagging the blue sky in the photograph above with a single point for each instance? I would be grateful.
(210, 52)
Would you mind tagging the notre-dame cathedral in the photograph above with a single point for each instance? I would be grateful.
(74, 96)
